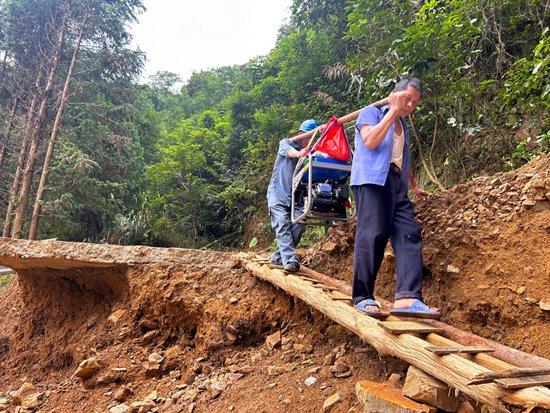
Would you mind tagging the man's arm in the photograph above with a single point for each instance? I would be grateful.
(286, 149)
(373, 135)
(293, 153)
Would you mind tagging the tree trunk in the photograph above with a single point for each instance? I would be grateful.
(7, 130)
(35, 139)
(22, 154)
(53, 139)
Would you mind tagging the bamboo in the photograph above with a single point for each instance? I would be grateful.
(453, 369)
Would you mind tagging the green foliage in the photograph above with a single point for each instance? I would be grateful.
(188, 163)
(528, 81)
(4, 281)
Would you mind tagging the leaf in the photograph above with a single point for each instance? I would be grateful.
(253, 242)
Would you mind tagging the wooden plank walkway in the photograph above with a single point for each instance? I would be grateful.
(416, 342)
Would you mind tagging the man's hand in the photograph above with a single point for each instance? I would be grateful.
(398, 102)
(294, 153)
(419, 192)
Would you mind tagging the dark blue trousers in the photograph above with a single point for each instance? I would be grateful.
(386, 212)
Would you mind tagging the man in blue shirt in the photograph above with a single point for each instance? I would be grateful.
(279, 198)
(379, 180)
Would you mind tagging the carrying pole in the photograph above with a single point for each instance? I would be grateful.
(341, 121)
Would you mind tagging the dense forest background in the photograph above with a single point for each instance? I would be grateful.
(88, 153)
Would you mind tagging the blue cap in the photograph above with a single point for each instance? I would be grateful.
(309, 125)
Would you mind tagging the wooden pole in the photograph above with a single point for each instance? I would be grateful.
(453, 369)
(501, 353)
(341, 121)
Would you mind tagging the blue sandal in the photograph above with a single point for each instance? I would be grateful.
(417, 310)
(362, 307)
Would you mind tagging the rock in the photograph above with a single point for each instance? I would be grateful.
(453, 270)
(233, 300)
(119, 408)
(275, 370)
(329, 402)
(191, 408)
(152, 396)
(117, 315)
(521, 290)
(25, 390)
(310, 381)
(381, 397)
(329, 360)
(31, 401)
(142, 406)
(150, 335)
(544, 304)
(423, 388)
(329, 246)
(339, 368)
(148, 324)
(218, 386)
(273, 340)
(190, 379)
(394, 379)
(122, 394)
(151, 369)
(155, 358)
(87, 368)
(528, 203)
(343, 375)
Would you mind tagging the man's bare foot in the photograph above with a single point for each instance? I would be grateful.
(403, 303)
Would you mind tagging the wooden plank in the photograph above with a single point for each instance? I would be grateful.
(523, 382)
(442, 351)
(452, 369)
(522, 372)
(503, 357)
(402, 327)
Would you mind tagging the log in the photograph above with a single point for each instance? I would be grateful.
(505, 374)
(501, 353)
(455, 370)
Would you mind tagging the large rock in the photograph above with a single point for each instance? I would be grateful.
(423, 388)
(87, 368)
(382, 397)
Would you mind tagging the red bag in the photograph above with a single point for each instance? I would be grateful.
(334, 142)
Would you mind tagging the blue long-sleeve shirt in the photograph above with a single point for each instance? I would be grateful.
(279, 190)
